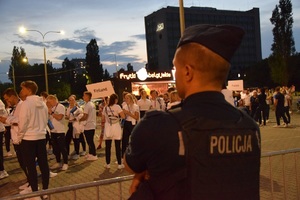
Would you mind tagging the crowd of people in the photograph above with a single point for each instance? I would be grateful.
(36, 126)
(259, 102)
(188, 143)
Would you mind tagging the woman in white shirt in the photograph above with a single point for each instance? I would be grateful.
(144, 103)
(132, 113)
(112, 129)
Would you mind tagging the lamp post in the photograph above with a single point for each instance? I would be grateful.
(181, 16)
(23, 30)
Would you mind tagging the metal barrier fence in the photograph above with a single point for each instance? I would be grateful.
(269, 170)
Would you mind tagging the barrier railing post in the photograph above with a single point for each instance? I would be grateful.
(271, 177)
(297, 186)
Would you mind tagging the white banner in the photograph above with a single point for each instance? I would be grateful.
(101, 89)
(236, 85)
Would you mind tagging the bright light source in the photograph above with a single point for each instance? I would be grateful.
(62, 32)
(142, 74)
(22, 29)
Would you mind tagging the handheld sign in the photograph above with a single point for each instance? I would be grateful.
(236, 85)
(101, 89)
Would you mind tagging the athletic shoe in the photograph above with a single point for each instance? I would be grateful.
(24, 186)
(83, 153)
(9, 154)
(52, 174)
(55, 166)
(285, 125)
(3, 174)
(73, 153)
(75, 157)
(26, 190)
(107, 166)
(92, 158)
(120, 166)
(65, 167)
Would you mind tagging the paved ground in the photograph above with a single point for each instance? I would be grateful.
(81, 171)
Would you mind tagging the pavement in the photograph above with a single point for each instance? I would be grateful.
(82, 171)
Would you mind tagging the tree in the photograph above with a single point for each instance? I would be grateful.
(283, 42)
(93, 67)
(18, 65)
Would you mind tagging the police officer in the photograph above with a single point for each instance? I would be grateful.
(207, 149)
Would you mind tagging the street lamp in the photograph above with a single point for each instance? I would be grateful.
(23, 30)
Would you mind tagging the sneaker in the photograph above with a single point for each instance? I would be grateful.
(107, 166)
(9, 154)
(65, 167)
(26, 190)
(285, 125)
(75, 157)
(3, 174)
(55, 166)
(52, 174)
(92, 158)
(83, 153)
(45, 196)
(267, 120)
(87, 155)
(24, 186)
(120, 166)
(73, 153)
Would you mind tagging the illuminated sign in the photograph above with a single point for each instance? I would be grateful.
(150, 76)
(160, 27)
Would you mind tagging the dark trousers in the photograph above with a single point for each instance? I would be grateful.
(20, 159)
(69, 136)
(59, 147)
(89, 136)
(261, 114)
(279, 112)
(77, 142)
(108, 150)
(32, 149)
(128, 127)
(48, 139)
(1, 152)
(7, 138)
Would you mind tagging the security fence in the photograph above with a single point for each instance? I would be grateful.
(279, 179)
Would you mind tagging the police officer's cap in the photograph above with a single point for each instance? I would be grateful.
(221, 39)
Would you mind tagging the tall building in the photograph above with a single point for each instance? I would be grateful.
(163, 32)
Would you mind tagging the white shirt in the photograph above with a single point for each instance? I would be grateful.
(33, 119)
(59, 125)
(13, 118)
(90, 110)
(228, 96)
(132, 109)
(246, 100)
(3, 113)
(112, 130)
(158, 104)
(144, 104)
